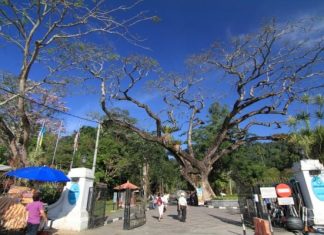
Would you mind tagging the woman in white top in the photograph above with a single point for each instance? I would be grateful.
(160, 206)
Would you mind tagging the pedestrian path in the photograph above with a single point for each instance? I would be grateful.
(200, 220)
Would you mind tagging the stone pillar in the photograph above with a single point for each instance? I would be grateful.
(70, 211)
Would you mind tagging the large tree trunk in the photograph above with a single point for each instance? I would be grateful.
(200, 180)
(208, 192)
(19, 154)
(145, 180)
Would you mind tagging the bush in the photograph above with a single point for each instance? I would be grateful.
(50, 193)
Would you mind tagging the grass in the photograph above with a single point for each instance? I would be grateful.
(111, 207)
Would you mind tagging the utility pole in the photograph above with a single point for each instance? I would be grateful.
(96, 150)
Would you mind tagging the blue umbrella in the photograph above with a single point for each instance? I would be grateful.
(39, 173)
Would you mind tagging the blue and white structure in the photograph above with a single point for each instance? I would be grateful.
(70, 211)
(310, 175)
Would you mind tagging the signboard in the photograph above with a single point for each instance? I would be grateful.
(285, 201)
(115, 197)
(283, 190)
(200, 196)
(73, 194)
(318, 186)
(268, 192)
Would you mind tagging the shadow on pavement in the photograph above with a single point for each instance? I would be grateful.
(226, 220)
(174, 217)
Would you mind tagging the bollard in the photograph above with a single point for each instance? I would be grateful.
(265, 227)
(270, 225)
(261, 226)
(305, 222)
(257, 226)
(243, 225)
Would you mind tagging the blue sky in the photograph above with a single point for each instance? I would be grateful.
(187, 27)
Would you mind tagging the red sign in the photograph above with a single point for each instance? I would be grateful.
(283, 190)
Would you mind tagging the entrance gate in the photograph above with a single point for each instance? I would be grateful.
(135, 209)
(96, 207)
(253, 205)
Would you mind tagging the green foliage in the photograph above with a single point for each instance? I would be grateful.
(165, 172)
(50, 193)
(311, 142)
(4, 155)
(306, 99)
(262, 162)
(317, 151)
(121, 156)
(44, 154)
(204, 136)
(305, 115)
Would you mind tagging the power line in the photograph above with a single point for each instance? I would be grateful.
(46, 106)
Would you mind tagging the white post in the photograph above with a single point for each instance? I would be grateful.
(57, 140)
(230, 185)
(96, 151)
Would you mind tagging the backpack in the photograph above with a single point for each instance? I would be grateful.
(159, 201)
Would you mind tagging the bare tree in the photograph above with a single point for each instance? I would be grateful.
(36, 28)
(267, 70)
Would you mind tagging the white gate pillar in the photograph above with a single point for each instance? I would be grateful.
(70, 211)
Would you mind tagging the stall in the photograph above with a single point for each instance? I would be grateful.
(120, 191)
(12, 206)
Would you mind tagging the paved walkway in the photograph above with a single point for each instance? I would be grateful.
(201, 221)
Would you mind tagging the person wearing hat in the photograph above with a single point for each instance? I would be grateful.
(182, 203)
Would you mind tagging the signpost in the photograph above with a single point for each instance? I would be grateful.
(268, 192)
(285, 201)
(200, 198)
(283, 190)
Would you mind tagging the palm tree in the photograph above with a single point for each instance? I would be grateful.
(318, 144)
(319, 101)
(304, 116)
(292, 122)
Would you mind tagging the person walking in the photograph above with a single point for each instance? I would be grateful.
(160, 206)
(35, 211)
(153, 200)
(182, 202)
